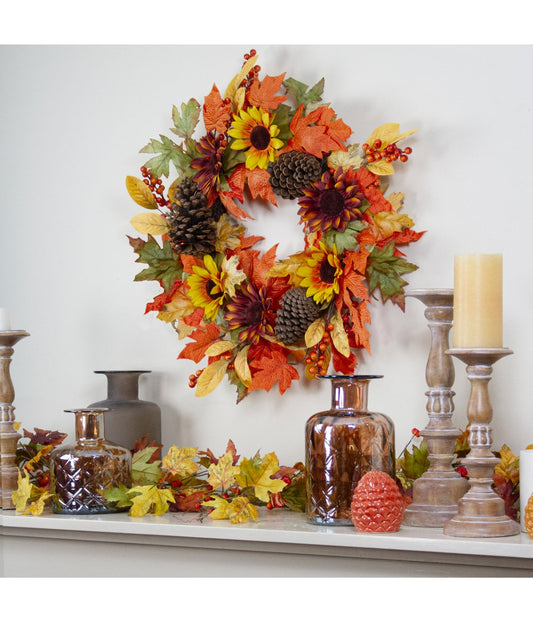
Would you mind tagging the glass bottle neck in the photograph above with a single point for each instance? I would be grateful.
(349, 393)
(89, 426)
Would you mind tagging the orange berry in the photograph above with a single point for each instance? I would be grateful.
(313, 356)
(330, 327)
(312, 370)
(322, 347)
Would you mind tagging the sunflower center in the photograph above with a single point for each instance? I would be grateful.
(331, 202)
(209, 286)
(254, 314)
(327, 272)
(260, 137)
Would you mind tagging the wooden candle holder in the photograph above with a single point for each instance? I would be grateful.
(481, 511)
(8, 435)
(436, 493)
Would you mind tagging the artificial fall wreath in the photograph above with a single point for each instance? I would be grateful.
(254, 317)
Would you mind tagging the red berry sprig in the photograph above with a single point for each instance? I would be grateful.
(193, 378)
(317, 361)
(156, 186)
(390, 153)
(253, 71)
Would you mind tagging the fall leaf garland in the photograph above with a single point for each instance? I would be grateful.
(265, 138)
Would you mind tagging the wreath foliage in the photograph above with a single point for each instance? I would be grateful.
(254, 317)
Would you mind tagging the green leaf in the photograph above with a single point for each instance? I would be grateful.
(384, 270)
(347, 239)
(414, 465)
(282, 119)
(294, 494)
(302, 93)
(169, 152)
(163, 264)
(185, 123)
(120, 494)
(142, 471)
(231, 158)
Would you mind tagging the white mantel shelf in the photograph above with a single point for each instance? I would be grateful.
(281, 543)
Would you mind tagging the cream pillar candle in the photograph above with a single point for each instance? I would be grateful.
(4, 319)
(526, 481)
(477, 309)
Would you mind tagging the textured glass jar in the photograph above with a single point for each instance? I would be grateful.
(341, 445)
(79, 472)
(130, 418)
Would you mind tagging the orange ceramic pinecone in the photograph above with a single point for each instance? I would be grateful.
(377, 504)
(528, 517)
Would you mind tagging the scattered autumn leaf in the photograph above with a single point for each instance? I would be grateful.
(179, 461)
(257, 474)
(150, 499)
(222, 475)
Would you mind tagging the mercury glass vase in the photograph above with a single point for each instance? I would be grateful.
(129, 418)
(342, 445)
(80, 472)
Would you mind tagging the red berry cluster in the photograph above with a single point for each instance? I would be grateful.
(193, 378)
(317, 361)
(253, 71)
(390, 153)
(156, 186)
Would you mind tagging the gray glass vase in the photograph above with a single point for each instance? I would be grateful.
(128, 418)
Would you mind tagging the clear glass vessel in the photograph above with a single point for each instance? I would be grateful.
(79, 472)
(341, 445)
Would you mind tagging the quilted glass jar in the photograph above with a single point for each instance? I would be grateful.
(79, 472)
(341, 445)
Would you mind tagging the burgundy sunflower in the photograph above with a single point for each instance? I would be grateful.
(250, 309)
(331, 202)
(209, 163)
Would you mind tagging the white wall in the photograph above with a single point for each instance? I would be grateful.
(72, 122)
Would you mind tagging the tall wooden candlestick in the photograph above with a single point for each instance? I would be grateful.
(481, 511)
(436, 493)
(8, 434)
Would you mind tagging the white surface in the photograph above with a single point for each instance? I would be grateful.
(73, 121)
(276, 527)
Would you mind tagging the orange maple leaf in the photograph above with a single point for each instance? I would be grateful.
(162, 299)
(365, 180)
(257, 266)
(202, 340)
(259, 184)
(195, 318)
(263, 94)
(316, 133)
(236, 181)
(188, 261)
(216, 112)
(231, 206)
(343, 364)
(251, 240)
(271, 369)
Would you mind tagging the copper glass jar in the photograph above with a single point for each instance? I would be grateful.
(79, 472)
(341, 445)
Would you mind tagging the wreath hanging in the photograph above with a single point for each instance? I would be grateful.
(254, 317)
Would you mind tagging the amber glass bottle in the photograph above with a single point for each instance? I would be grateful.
(343, 444)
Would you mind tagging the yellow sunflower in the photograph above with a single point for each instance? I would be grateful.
(209, 284)
(206, 287)
(321, 273)
(254, 131)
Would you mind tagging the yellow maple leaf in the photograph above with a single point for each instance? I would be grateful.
(223, 474)
(233, 275)
(387, 223)
(257, 475)
(37, 506)
(351, 158)
(240, 510)
(179, 307)
(22, 494)
(508, 466)
(183, 330)
(150, 497)
(179, 461)
(228, 234)
(221, 506)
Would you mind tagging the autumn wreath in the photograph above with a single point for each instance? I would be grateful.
(254, 317)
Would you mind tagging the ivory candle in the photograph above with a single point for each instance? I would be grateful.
(526, 481)
(477, 307)
(4, 319)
